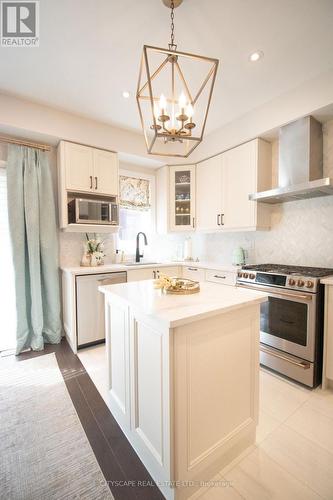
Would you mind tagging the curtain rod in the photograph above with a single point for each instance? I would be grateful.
(19, 142)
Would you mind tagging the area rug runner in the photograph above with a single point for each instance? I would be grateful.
(44, 451)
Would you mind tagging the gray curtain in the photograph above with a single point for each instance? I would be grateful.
(33, 232)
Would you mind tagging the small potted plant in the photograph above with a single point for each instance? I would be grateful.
(93, 252)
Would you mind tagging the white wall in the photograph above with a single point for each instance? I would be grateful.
(35, 121)
(38, 122)
(301, 101)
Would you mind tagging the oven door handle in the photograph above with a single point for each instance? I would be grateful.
(277, 292)
(302, 364)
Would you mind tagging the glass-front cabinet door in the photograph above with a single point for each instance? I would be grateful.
(182, 198)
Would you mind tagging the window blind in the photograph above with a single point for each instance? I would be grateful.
(134, 193)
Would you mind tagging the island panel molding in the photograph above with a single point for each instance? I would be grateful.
(147, 418)
(117, 322)
(203, 385)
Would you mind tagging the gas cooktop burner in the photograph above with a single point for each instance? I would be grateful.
(313, 272)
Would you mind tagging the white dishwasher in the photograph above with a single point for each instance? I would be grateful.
(90, 306)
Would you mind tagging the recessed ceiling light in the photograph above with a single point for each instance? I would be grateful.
(126, 94)
(255, 56)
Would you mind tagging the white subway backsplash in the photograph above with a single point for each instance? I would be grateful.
(301, 234)
(72, 247)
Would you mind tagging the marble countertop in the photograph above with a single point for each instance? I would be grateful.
(109, 268)
(177, 310)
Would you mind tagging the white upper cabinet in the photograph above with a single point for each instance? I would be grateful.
(106, 179)
(89, 170)
(83, 170)
(245, 170)
(78, 161)
(182, 198)
(224, 183)
(209, 194)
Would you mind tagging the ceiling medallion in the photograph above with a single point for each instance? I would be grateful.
(173, 95)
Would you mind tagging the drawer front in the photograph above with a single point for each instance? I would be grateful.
(140, 274)
(222, 277)
(172, 271)
(152, 273)
(194, 273)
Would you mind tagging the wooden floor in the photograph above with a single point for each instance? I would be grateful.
(126, 475)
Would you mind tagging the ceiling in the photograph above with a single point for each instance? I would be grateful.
(90, 51)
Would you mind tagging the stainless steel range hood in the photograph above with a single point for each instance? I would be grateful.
(300, 164)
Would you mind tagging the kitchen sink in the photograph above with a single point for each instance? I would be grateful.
(141, 263)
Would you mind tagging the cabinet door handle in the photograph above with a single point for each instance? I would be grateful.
(192, 268)
(220, 277)
(154, 275)
(158, 274)
(218, 219)
(96, 183)
(193, 222)
(90, 181)
(222, 219)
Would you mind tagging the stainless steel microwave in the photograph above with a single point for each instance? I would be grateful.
(87, 211)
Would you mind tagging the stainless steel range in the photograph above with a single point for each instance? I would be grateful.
(291, 323)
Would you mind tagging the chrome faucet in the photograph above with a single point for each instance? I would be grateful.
(137, 254)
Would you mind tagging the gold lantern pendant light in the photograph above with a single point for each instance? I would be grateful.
(173, 95)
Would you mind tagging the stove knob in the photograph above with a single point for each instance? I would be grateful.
(291, 282)
(252, 276)
(300, 283)
(240, 275)
(309, 284)
(245, 275)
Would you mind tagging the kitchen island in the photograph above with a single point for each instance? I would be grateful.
(183, 377)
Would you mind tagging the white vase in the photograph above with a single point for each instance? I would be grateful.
(85, 261)
(93, 260)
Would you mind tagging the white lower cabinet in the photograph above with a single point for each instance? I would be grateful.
(139, 385)
(117, 328)
(150, 401)
(152, 273)
(328, 338)
(193, 273)
(170, 391)
(221, 277)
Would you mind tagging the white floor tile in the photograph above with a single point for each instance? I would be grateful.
(304, 459)
(258, 477)
(313, 425)
(267, 424)
(321, 401)
(94, 361)
(280, 398)
(294, 454)
(214, 489)
(224, 491)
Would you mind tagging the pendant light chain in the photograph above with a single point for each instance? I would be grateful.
(172, 45)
